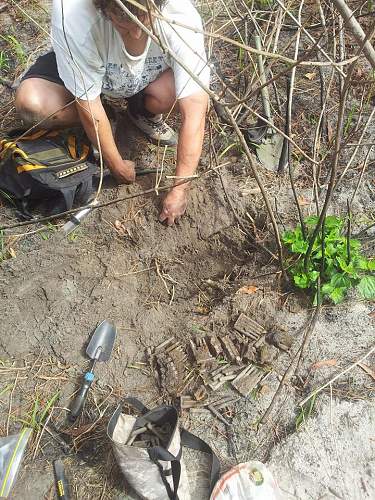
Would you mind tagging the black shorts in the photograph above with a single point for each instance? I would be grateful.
(45, 67)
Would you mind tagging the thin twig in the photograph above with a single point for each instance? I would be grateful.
(291, 368)
(365, 164)
(333, 379)
(10, 403)
(42, 432)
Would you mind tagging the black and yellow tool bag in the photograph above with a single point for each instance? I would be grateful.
(48, 168)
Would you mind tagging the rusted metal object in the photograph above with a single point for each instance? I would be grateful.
(248, 379)
(280, 339)
(267, 353)
(186, 402)
(218, 415)
(248, 352)
(209, 362)
(201, 393)
(168, 363)
(230, 350)
(249, 327)
(200, 351)
(214, 346)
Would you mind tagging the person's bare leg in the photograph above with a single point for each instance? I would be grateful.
(161, 94)
(48, 104)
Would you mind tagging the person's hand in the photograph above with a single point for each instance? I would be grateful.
(124, 172)
(174, 205)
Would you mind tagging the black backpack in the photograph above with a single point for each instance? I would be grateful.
(48, 167)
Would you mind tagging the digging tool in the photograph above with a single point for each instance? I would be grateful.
(262, 137)
(62, 486)
(99, 349)
(286, 149)
(76, 219)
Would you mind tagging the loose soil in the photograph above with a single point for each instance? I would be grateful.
(154, 282)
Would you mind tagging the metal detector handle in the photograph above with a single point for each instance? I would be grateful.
(79, 401)
(262, 78)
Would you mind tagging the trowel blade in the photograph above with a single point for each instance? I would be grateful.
(102, 341)
(269, 152)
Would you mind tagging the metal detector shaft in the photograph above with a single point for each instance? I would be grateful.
(76, 219)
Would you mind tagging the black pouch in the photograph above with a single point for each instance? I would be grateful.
(155, 471)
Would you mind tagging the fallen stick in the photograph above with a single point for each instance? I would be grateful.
(293, 366)
(319, 389)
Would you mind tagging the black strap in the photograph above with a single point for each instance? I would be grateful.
(68, 195)
(138, 405)
(84, 191)
(157, 453)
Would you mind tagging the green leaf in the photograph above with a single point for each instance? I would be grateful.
(330, 250)
(347, 268)
(313, 275)
(311, 221)
(362, 263)
(301, 280)
(326, 289)
(337, 274)
(317, 255)
(339, 280)
(366, 264)
(333, 222)
(300, 246)
(355, 244)
(366, 287)
(288, 237)
(48, 406)
(337, 295)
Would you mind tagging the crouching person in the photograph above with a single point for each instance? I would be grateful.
(99, 48)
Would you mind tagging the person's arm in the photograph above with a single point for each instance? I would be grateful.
(193, 116)
(123, 170)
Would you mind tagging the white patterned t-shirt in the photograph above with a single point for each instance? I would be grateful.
(92, 59)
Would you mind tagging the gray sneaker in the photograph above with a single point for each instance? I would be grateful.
(155, 128)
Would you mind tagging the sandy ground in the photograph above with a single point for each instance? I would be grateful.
(54, 292)
(155, 282)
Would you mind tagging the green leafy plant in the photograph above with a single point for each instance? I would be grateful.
(305, 412)
(50, 229)
(241, 58)
(39, 413)
(4, 61)
(350, 118)
(73, 236)
(337, 260)
(16, 48)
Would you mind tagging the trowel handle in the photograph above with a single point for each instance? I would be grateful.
(263, 80)
(79, 401)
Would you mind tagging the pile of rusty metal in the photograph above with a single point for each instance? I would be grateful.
(235, 363)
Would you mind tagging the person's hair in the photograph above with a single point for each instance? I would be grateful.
(106, 5)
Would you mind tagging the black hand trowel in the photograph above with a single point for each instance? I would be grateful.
(99, 349)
